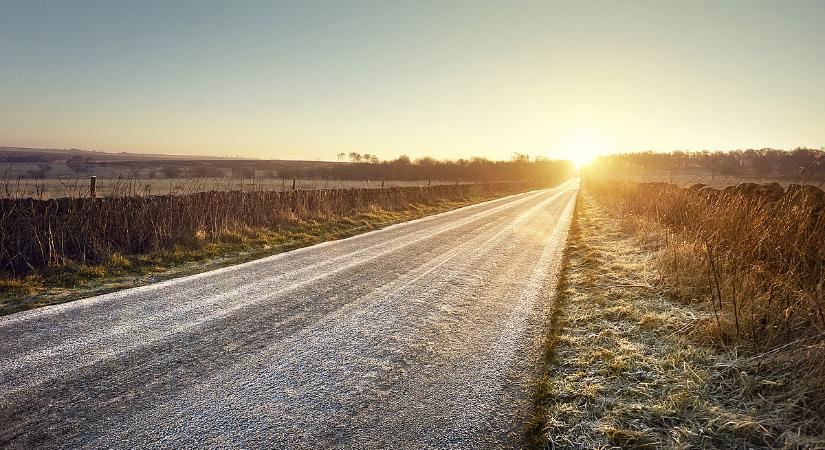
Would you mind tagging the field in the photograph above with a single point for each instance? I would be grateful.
(79, 187)
(686, 178)
(50, 173)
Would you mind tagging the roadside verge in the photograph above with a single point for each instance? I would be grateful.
(623, 368)
(205, 251)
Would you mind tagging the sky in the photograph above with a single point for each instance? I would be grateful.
(451, 79)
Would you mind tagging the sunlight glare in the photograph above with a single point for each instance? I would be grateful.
(580, 149)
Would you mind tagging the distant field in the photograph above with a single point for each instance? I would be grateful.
(55, 173)
(688, 178)
(79, 187)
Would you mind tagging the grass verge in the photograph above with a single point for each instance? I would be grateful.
(626, 370)
(74, 281)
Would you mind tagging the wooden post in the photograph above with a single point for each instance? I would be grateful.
(293, 183)
(92, 185)
(429, 180)
(382, 183)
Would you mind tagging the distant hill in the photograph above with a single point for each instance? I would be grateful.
(28, 154)
(42, 163)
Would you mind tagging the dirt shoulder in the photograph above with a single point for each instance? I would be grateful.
(623, 370)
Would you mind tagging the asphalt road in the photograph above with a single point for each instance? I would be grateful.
(424, 334)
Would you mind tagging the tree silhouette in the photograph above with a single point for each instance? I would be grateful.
(79, 164)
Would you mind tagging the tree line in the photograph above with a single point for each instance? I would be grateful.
(763, 162)
(519, 168)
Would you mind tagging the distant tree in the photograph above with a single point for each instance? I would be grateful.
(355, 157)
(520, 157)
(426, 161)
(341, 156)
(79, 164)
(41, 172)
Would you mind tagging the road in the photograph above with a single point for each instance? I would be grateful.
(423, 334)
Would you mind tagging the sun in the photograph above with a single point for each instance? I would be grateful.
(580, 149)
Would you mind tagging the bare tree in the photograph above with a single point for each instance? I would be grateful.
(79, 164)
(41, 172)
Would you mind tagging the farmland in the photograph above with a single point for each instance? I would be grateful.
(50, 173)
(59, 242)
(106, 187)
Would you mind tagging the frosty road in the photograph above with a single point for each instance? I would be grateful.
(423, 334)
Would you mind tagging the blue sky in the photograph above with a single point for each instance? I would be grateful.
(449, 78)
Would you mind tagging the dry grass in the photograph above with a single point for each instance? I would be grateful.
(204, 251)
(628, 366)
(758, 258)
(36, 235)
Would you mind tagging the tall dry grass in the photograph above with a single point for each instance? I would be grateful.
(755, 256)
(37, 234)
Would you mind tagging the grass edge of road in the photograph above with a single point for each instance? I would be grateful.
(622, 369)
(76, 281)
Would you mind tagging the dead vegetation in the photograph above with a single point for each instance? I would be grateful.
(58, 250)
(754, 253)
(630, 365)
(38, 234)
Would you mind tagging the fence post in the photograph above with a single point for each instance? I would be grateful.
(293, 183)
(382, 183)
(429, 180)
(92, 185)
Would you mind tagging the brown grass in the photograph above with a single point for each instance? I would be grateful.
(630, 366)
(754, 257)
(39, 234)
(210, 239)
(758, 258)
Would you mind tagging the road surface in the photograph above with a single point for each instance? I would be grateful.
(424, 334)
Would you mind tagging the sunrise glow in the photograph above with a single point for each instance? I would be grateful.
(581, 148)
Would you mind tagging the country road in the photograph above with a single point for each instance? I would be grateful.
(423, 334)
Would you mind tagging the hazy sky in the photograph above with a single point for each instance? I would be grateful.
(310, 79)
